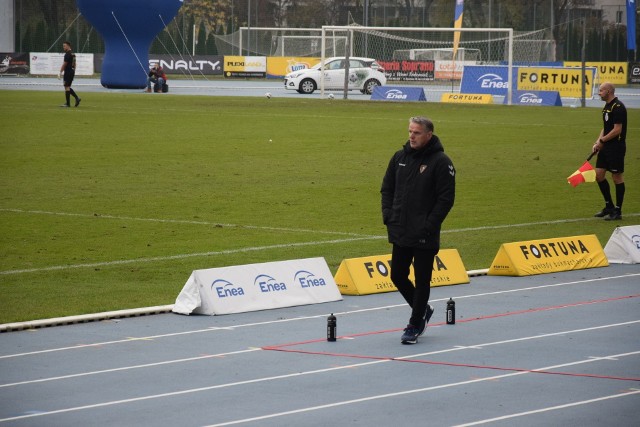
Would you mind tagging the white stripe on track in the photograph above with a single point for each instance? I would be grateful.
(295, 319)
(385, 396)
(551, 408)
(299, 374)
(128, 368)
(407, 357)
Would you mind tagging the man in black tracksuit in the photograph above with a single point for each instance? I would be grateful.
(418, 191)
(67, 73)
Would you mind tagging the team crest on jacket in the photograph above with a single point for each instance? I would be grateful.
(423, 168)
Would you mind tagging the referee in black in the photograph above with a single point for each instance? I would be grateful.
(68, 72)
(611, 147)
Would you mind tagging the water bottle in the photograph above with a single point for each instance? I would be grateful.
(451, 312)
(331, 328)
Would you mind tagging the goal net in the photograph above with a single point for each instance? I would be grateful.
(260, 41)
(477, 45)
(396, 47)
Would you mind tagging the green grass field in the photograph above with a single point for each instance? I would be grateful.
(112, 205)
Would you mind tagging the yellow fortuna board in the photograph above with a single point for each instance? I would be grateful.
(372, 275)
(466, 98)
(548, 256)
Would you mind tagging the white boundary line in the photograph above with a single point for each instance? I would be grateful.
(6, 327)
(299, 374)
(182, 256)
(551, 408)
(285, 229)
(295, 319)
(412, 356)
(385, 396)
(355, 237)
(183, 221)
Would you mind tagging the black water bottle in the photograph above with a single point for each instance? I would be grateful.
(451, 312)
(331, 327)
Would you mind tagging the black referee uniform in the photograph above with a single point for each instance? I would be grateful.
(611, 155)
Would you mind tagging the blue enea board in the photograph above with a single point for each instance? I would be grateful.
(398, 93)
(536, 98)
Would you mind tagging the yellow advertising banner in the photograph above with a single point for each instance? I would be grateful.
(612, 72)
(548, 256)
(566, 81)
(245, 66)
(280, 66)
(466, 98)
(372, 275)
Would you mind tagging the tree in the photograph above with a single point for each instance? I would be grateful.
(208, 13)
(280, 12)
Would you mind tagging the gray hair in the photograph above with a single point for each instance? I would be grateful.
(426, 123)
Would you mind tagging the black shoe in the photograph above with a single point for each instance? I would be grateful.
(410, 335)
(615, 215)
(78, 101)
(607, 210)
(64, 106)
(425, 320)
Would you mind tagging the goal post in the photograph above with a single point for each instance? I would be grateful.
(301, 42)
(477, 46)
(406, 47)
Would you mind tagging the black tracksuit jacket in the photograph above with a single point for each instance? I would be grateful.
(418, 191)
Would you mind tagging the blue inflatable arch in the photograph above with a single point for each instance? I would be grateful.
(128, 27)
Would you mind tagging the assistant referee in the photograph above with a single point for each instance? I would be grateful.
(611, 147)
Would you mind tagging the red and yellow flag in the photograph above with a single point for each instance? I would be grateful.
(586, 173)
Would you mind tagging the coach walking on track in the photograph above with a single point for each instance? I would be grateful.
(611, 147)
(68, 72)
(418, 191)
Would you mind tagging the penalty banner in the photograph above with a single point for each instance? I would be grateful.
(253, 287)
(548, 256)
(372, 275)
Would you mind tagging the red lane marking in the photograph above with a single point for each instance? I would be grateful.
(458, 365)
(281, 347)
(473, 319)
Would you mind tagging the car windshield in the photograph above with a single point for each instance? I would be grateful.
(338, 64)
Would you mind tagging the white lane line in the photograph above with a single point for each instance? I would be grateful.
(552, 285)
(188, 391)
(294, 375)
(385, 396)
(294, 319)
(550, 408)
(182, 256)
(188, 222)
(293, 230)
(412, 356)
(356, 237)
(532, 337)
(127, 368)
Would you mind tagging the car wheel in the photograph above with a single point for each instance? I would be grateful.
(307, 86)
(370, 85)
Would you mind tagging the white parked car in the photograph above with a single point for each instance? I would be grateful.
(364, 75)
